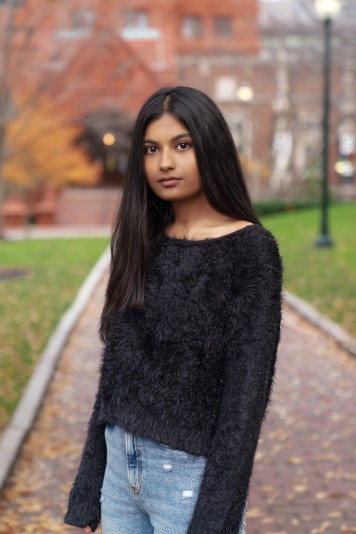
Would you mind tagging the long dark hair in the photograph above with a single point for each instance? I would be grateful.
(142, 215)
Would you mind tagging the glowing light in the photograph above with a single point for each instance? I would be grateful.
(109, 139)
(327, 9)
(345, 168)
(245, 93)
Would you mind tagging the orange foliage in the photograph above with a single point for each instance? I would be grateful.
(40, 149)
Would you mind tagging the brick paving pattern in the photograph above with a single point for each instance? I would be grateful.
(305, 471)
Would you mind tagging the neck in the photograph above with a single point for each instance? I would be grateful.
(196, 214)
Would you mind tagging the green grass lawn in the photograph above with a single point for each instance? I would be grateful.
(31, 307)
(324, 277)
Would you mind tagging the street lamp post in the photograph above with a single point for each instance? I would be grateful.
(327, 11)
(245, 95)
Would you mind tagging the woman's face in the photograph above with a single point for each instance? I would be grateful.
(170, 165)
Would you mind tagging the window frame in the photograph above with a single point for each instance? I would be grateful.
(192, 26)
(221, 23)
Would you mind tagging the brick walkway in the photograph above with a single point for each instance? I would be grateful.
(305, 472)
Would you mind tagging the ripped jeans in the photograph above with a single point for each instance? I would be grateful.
(148, 487)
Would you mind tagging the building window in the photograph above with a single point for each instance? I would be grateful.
(83, 18)
(13, 3)
(192, 26)
(223, 26)
(136, 26)
(225, 89)
(136, 19)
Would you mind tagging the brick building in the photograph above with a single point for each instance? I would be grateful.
(261, 61)
(98, 61)
(92, 57)
(273, 99)
(89, 54)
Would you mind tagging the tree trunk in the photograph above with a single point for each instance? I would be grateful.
(5, 101)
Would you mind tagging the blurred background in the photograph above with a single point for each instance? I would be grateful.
(73, 75)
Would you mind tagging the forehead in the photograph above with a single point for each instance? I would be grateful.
(166, 126)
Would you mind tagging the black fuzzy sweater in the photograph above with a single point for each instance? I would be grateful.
(193, 369)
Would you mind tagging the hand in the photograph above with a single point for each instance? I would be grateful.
(87, 529)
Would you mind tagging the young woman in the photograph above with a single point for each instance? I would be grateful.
(191, 325)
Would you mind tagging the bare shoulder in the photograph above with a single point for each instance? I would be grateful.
(238, 225)
(229, 228)
(232, 227)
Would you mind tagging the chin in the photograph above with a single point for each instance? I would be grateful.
(169, 195)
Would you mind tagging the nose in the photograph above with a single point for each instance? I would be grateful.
(167, 160)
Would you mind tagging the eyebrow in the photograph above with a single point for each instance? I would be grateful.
(175, 138)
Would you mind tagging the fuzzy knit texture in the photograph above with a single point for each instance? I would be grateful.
(193, 369)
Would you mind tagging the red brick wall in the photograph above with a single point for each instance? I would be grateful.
(103, 68)
(245, 37)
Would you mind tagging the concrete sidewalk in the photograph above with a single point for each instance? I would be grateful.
(305, 470)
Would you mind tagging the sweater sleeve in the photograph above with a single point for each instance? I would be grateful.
(252, 336)
(84, 500)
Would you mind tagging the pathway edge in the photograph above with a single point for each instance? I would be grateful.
(28, 407)
(22, 420)
(343, 338)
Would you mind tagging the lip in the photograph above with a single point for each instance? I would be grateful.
(168, 182)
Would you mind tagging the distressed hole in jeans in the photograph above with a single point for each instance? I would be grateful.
(187, 494)
(167, 467)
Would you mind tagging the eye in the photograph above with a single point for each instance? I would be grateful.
(184, 146)
(150, 149)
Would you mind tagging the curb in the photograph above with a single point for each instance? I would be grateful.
(345, 340)
(30, 402)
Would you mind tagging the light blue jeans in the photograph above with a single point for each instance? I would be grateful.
(148, 487)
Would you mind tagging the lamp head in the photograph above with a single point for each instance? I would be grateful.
(245, 93)
(327, 9)
(109, 139)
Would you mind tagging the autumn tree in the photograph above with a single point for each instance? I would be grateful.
(73, 57)
(41, 150)
(15, 51)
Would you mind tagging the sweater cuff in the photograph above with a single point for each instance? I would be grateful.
(221, 501)
(83, 510)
